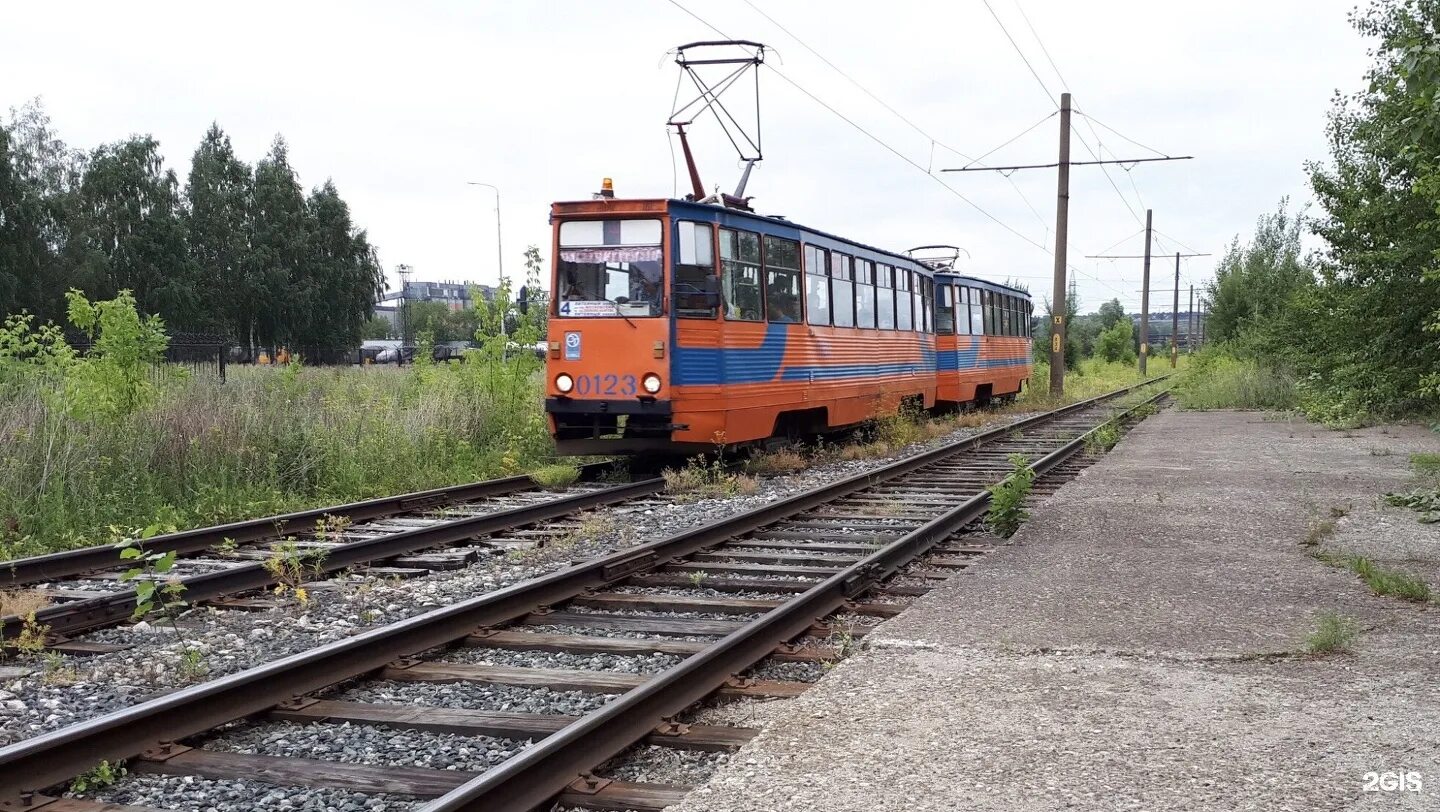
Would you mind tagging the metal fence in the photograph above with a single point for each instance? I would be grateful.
(201, 354)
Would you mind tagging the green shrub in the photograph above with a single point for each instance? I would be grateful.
(1117, 344)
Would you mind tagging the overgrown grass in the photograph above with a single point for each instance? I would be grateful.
(267, 441)
(1217, 380)
(1334, 634)
(1388, 582)
(1426, 464)
(1381, 580)
(1092, 378)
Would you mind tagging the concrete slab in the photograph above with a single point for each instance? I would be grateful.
(1137, 648)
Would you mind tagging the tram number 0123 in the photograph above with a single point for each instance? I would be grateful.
(1392, 782)
(602, 384)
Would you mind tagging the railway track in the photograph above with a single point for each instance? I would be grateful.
(791, 581)
(403, 536)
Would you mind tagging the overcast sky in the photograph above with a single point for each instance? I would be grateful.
(401, 104)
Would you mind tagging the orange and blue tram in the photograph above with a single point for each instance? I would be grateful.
(677, 326)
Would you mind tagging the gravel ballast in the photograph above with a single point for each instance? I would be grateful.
(475, 696)
(207, 795)
(365, 744)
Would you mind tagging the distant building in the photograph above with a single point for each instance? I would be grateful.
(1160, 323)
(454, 295)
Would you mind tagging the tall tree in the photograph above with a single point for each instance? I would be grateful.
(1110, 313)
(128, 226)
(1381, 196)
(217, 218)
(22, 252)
(341, 273)
(44, 177)
(284, 296)
(1256, 282)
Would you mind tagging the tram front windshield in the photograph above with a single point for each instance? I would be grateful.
(606, 268)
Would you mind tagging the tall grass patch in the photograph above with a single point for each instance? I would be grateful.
(1092, 377)
(1218, 380)
(266, 441)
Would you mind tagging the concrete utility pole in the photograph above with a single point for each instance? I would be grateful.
(1059, 305)
(1145, 296)
(1175, 318)
(1190, 324)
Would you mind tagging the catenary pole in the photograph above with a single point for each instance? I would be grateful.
(1058, 301)
(1175, 318)
(1145, 296)
(1190, 324)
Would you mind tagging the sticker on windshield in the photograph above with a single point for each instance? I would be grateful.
(587, 309)
(572, 346)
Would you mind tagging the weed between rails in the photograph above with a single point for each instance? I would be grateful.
(700, 479)
(1007, 498)
(555, 477)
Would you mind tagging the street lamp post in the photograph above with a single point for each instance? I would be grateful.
(499, 251)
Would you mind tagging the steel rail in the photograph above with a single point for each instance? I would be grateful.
(70, 563)
(114, 607)
(543, 770)
(57, 756)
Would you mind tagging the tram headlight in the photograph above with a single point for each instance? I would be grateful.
(651, 382)
(564, 383)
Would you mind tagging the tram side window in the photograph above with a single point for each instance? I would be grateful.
(944, 310)
(977, 313)
(697, 289)
(902, 299)
(740, 274)
(842, 290)
(962, 310)
(919, 297)
(1029, 319)
(817, 284)
(864, 293)
(989, 310)
(782, 280)
(1007, 316)
(885, 298)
